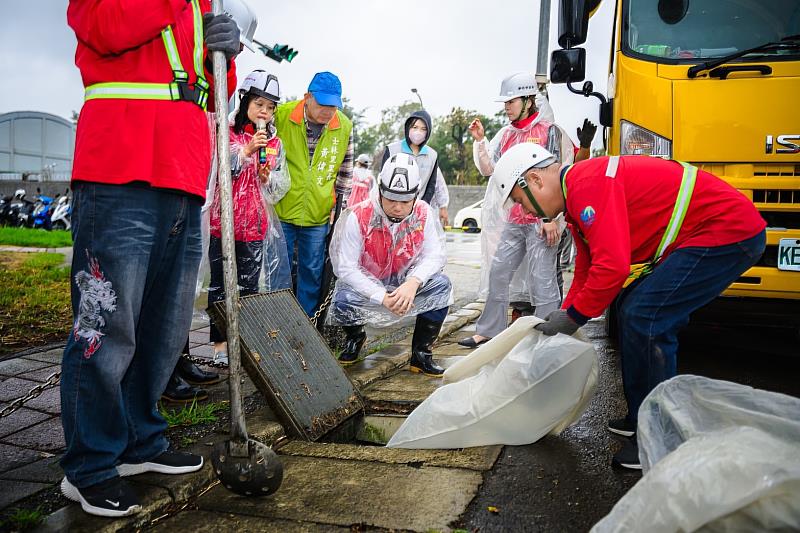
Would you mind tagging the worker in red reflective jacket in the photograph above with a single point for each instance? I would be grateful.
(388, 253)
(694, 234)
(142, 158)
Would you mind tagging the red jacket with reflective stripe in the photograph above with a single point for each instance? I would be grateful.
(619, 221)
(383, 256)
(163, 143)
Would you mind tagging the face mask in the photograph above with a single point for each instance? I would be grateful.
(416, 137)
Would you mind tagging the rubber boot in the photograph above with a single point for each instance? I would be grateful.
(353, 343)
(425, 333)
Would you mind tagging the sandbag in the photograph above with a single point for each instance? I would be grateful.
(540, 386)
(717, 456)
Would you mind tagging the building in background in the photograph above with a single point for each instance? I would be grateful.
(36, 146)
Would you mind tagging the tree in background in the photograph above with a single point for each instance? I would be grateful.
(453, 143)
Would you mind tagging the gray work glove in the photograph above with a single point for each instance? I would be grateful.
(586, 133)
(558, 322)
(221, 34)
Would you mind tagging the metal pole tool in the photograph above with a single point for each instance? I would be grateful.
(243, 465)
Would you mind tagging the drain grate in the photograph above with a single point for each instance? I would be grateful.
(290, 363)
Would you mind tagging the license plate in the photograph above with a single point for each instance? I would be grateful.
(789, 254)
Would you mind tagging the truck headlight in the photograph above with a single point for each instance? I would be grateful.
(635, 140)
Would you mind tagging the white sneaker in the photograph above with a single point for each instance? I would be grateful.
(221, 357)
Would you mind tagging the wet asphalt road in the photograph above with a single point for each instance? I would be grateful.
(567, 483)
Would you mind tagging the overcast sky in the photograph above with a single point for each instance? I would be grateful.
(455, 52)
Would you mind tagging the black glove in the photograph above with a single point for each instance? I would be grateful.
(558, 322)
(586, 133)
(221, 34)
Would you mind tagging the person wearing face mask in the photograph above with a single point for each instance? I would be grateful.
(433, 189)
(388, 254)
(519, 239)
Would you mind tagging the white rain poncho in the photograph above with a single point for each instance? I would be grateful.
(360, 185)
(717, 456)
(495, 219)
(261, 258)
(372, 256)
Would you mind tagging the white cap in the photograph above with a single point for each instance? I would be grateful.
(399, 178)
(516, 85)
(244, 17)
(514, 163)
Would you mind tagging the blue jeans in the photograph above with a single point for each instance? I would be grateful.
(310, 243)
(652, 310)
(350, 308)
(135, 258)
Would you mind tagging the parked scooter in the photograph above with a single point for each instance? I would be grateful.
(61, 217)
(20, 211)
(41, 211)
(5, 207)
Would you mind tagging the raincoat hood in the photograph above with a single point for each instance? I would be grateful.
(421, 114)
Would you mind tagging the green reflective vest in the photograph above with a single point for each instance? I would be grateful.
(311, 194)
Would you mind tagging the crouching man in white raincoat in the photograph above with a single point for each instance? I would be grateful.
(388, 254)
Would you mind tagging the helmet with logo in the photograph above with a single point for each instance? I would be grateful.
(399, 178)
(512, 166)
(259, 83)
(244, 17)
(516, 85)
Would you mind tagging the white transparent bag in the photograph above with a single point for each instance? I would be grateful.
(717, 456)
(540, 386)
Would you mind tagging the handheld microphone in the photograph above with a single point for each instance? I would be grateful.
(261, 125)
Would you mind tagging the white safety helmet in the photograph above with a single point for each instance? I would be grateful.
(514, 163)
(364, 159)
(244, 17)
(19, 194)
(516, 85)
(399, 178)
(260, 83)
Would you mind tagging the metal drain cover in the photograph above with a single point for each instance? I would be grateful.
(290, 363)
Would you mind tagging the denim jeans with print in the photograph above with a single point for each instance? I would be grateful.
(652, 310)
(135, 257)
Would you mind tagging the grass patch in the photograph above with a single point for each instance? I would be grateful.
(192, 414)
(34, 301)
(35, 237)
(378, 347)
(24, 519)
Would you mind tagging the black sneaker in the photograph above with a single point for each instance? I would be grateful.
(169, 462)
(621, 426)
(628, 456)
(112, 498)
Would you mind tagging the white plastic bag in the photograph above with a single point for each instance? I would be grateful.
(716, 455)
(738, 479)
(541, 386)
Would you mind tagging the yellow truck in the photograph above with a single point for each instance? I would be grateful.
(715, 83)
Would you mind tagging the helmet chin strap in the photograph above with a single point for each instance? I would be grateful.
(396, 220)
(524, 186)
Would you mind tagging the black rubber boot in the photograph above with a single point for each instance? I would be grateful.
(425, 333)
(194, 375)
(178, 391)
(352, 344)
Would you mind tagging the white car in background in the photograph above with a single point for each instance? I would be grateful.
(469, 218)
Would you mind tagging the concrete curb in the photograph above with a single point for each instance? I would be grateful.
(161, 495)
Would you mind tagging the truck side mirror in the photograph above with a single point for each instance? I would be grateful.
(573, 21)
(568, 65)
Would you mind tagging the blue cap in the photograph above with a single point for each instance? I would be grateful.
(327, 89)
